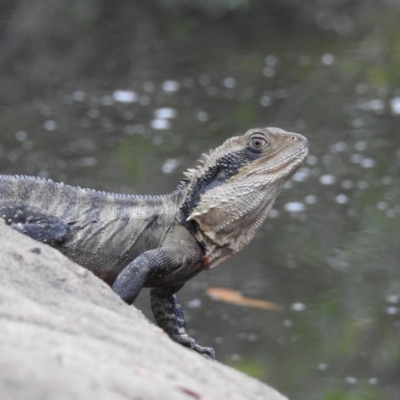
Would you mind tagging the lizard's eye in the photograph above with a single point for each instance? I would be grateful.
(258, 143)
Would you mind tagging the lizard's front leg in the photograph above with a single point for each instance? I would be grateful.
(168, 313)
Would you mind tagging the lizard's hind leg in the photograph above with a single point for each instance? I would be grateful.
(34, 222)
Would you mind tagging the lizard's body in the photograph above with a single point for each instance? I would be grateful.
(160, 241)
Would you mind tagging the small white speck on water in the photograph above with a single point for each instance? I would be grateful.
(392, 310)
(295, 206)
(352, 380)
(170, 86)
(195, 303)
(328, 59)
(395, 105)
(392, 298)
(21, 135)
(229, 82)
(125, 96)
(368, 163)
(298, 306)
(165, 113)
(170, 165)
(160, 124)
(327, 179)
(50, 125)
(342, 199)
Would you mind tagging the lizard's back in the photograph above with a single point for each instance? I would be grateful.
(101, 231)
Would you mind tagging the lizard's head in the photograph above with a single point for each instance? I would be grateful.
(229, 196)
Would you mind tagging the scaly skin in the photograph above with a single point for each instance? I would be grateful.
(161, 241)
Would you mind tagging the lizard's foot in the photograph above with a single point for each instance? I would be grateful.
(207, 352)
(187, 341)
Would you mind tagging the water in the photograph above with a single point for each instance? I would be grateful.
(135, 111)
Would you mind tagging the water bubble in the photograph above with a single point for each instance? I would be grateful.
(327, 179)
(21, 135)
(356, 158)
(125, 96)
(382, 205)
(347, 184)
(352, 380)
(392, 298)
(265, 101)
(78, 95)
(229, 82)
(302, 174)
(342, 199)
(287, 323)
(361, 145)
(395, 105)
(273, 213)
(295, 206)
(312, 160)
(202, 116)
(165, 113)
(195, 303)
(298, 306)
(373, 381)
(322, 367)
(310, 199)
(269, 72)
(392, 310)
(170, 165)
(328, 59)
(50, 125)
(160, 124)
(339, 146)
(170, 86)
(376, 105)
(271, 60)
(368, 163)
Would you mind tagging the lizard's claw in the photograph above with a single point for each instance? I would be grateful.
(207, 352)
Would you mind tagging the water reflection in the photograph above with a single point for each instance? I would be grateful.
(135, 119)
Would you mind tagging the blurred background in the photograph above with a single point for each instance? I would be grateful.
(124, 96)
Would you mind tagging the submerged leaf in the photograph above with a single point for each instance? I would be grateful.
(235, 297)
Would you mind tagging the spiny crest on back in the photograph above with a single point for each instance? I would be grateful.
(210, 160)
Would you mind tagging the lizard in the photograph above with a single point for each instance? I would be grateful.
(136, 241)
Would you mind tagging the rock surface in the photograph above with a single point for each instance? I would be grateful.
(65, 335)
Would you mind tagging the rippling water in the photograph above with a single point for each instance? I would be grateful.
(328, 253)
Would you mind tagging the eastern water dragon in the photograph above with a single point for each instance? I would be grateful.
(161, 242)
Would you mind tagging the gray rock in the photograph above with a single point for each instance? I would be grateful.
(65, 335)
